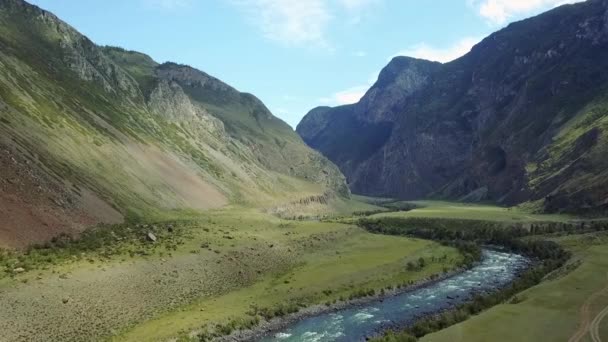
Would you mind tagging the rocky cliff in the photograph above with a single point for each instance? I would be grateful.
(522, 117)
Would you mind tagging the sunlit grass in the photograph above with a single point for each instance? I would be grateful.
(549, 311)
(464, 211)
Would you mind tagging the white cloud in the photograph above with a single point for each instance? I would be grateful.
(440, 54)
(360, 53)
(291, 22)
(299, 22)
(168, 4)
(424, 51)
(499, 11)
(348, 96)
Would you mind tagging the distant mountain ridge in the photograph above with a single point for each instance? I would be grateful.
(520, 118)
(92, 134)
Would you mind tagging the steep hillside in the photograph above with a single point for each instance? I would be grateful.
(522, 117)
(92, 134)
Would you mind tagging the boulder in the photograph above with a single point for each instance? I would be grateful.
(151, 237)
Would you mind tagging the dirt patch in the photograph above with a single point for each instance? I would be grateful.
(595, 325)
(98, 209)
(35, 207)
(182, 180)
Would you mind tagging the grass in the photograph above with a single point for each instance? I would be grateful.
(360, 260)
(549, 311)
(232, 268)
(464, 211)
(100, 243)
(220, 264)
(215, 269)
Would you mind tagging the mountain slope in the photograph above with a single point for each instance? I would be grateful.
(92, 134)
(522, 117)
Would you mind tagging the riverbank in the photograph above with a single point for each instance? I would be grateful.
(518, 238)
(395, 313)
(561, 308)
(276, 324)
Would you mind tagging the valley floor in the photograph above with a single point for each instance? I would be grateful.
(228, 269)
(220, 268)
(569, 305)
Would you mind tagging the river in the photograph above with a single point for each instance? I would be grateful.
(496, 270)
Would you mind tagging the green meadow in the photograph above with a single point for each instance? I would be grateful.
(214, 273)
(555, 310)
(465, 211)
(223, 270)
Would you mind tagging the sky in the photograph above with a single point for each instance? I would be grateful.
(294, 54)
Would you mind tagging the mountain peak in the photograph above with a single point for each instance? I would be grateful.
(192, 77)
(507, 118)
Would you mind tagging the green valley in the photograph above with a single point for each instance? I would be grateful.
(147, 200)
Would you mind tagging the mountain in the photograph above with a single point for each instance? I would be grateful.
(521, 118)
(92, 134)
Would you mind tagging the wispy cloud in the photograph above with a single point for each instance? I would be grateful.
(499, 11)
(347, 96)
(423, 51)
(298, 22)
(350, 95)
(440, 54)
(291, 22)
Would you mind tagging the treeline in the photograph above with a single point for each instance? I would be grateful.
(569, 227)
(468, 235)
(479, 232)
(475, 230)
(444, 230)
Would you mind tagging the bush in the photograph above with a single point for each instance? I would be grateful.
(101, 242)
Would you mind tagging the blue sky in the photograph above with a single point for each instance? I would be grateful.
(293, 54)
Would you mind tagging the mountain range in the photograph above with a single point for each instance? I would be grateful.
(94, 134)
(521, 118)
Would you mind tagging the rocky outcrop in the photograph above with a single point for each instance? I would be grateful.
(314, 122)
(169, 101)
(193, 78)
(401, 78)
(81, 55)
(509, 122)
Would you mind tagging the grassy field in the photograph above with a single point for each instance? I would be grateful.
(464, 211)
(210, 269)
(361, 260)
(550, 311)
(235, 267)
